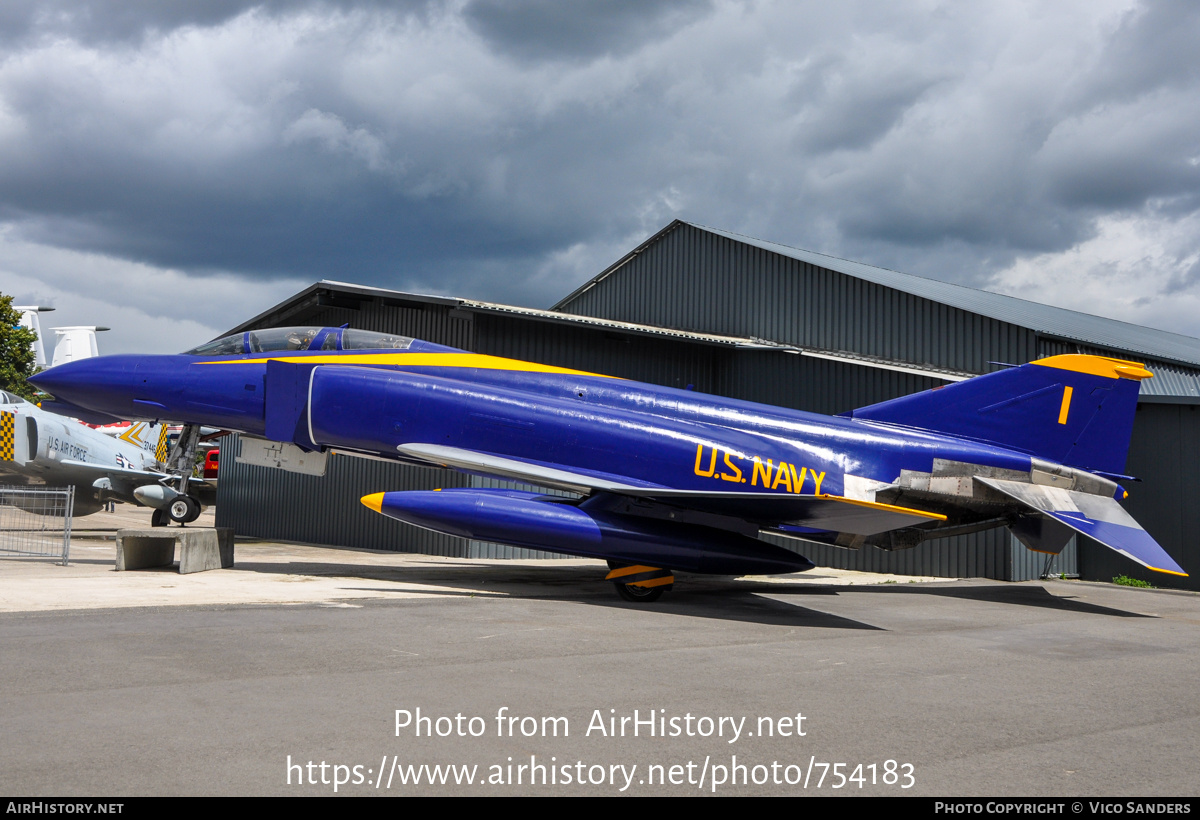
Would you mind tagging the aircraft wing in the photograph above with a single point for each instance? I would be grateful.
(1095, 516)
(113, 470)
(533, 472)
(824, 512)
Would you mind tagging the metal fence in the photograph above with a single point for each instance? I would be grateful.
(36, 521)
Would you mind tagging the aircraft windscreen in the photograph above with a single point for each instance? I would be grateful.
(367, 340)
(220, 347)
(277, 339)
(281, 338)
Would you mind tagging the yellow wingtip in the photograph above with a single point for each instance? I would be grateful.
(374, 501)
(1168, 571)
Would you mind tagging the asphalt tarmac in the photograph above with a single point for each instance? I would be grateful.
(308, 670)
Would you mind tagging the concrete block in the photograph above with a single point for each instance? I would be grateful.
(144, 549)
(200, 548)
(205, 548)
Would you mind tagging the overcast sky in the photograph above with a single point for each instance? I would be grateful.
(170, 168)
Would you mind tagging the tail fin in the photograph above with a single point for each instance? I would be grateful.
(1074, 409)
(162, 445)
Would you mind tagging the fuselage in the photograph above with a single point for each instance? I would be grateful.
(673, 477)
(373, 401)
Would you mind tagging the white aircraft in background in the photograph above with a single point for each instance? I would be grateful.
(40, 448)
(76, 342)
(29, 318)
(70, 343)
(116, 462)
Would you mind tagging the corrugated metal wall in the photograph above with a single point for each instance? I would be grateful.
(695, 280)
(1166, 455)
(268, 503)
(650, 359)
(807, 383)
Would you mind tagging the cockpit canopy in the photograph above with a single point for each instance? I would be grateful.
(277, 339)
(10, 398)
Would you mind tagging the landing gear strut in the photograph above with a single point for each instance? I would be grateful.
(184, 509)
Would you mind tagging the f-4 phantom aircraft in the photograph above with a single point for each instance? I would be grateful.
(665, 480)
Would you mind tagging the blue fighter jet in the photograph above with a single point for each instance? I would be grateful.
(662, 479)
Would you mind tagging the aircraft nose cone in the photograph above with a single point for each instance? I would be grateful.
(102, 384)
(57, 381)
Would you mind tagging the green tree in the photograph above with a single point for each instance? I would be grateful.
(16, 350)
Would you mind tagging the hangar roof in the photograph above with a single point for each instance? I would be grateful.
(1043, 319)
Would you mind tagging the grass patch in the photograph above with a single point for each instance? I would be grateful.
(1126, 581)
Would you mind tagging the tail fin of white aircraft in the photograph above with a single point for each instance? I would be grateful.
(73, 343)
(29, 318)
(162, 446)
(1074, 409)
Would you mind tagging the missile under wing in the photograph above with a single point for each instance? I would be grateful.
(663, 479)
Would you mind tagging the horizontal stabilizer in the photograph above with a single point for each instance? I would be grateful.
(1096, 516)
(824, 512)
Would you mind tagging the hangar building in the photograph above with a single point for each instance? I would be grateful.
(736, 316)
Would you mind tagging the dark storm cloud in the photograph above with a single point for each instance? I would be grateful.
(98, 21)
(550, 29)
(1154, 47)
(509, 150)
(1128, 133)
(247, 173)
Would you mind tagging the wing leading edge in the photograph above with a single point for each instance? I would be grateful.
(823, 512)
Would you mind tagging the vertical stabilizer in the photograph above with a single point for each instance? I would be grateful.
(1076, 410)
(29, 318)
(72, 343)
